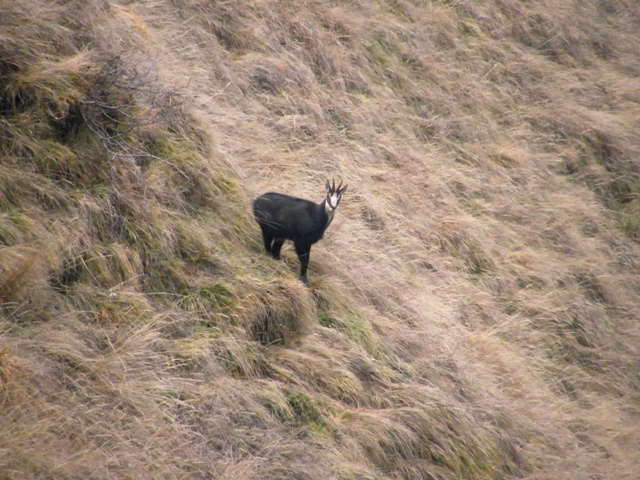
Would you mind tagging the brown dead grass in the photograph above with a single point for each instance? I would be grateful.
(473, 310)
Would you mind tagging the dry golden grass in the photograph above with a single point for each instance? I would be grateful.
(473, 309)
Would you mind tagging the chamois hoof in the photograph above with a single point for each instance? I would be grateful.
(304, 280)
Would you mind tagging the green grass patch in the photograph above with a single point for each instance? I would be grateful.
(354, 325)
(214, 297)
(629, 219)
(307, 413)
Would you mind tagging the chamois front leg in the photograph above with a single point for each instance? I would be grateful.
(267, 239)
(277, 246)
(304, 252)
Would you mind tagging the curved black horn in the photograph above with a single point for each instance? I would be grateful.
(340, 185)
(333, 187)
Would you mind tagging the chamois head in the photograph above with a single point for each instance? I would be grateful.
(334, 195)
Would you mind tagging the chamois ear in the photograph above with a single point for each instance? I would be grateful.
(342, 190)
(328, 186)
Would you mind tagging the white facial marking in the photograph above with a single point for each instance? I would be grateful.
(330, 212)
(332, 201)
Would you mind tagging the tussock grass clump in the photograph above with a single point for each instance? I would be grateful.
(278, 313)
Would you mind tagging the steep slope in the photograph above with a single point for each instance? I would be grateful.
(473, 309)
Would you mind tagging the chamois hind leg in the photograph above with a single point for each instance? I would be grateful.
(304, 252)
(277, 246)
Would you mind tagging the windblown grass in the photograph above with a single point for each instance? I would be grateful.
(473, 308)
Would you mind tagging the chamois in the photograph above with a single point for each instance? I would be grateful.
(283, 217)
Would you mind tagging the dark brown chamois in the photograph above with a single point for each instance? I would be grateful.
(283, 217)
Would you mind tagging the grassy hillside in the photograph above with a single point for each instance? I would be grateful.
(474, 308)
